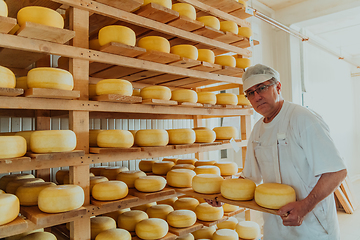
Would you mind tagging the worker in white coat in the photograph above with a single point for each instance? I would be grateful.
(290, 144)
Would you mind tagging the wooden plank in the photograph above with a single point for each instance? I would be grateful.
(194, 85)
(156, 149)
(117, 98)
(122, 49)
(247, 204)
(159, 79)
(212, 223)
(244, 43)
(187, 230)
(346, 188)
(152, 195)
(114, 71)
(56, 155)
(219, 88)
(229, 37)
(51, 93)
(17, 58)
(229, 71)
(11, 92)
(19, 224)
(233, 213)
(6, 24)
(159, 102)
(183, 146)
(141, 75)
(223, 5)
(185, 63)
(159, 57)
(210, 144)
(242, 13)
(168, 236)
(190, 104)
(343, 201)
(227, 140)
(114, 204)
(126, 5)
(178, 41)
(157, 12)
(209, 32)
(207, 67)
(186, 24)
(114, 150)
(181, 82)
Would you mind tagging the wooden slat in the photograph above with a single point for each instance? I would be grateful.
(122, 49)
(189, 104)
(168, 236)
(244, 43)
(212, 223)
(229, 37)
(126, 5)
(157, 149)
(247, 204)
(159, 79)
(209, 32)
(186, 24)
(183, 231)
(11, 92)
(56, 155)
(229, 71)
(121, 202)
(113, 71)
(159, 57)
(51, 93)
(19, 224)
(15, 5)
(117, 98)
(152, 195)
(218, 88)
(141, 75)
(159, 102)
(242, 13)
(223, 5)
(114, 150)
(230, 214)
(196, 84)
(182, 82)
(157, 12)
(343, 201)
(6, 24)
(18, 58)
(207, 67)
(184, 146)
(346, 188)
(185, 63)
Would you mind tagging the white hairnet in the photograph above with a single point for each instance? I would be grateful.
(258, 74)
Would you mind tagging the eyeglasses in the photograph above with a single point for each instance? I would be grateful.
(259, 90)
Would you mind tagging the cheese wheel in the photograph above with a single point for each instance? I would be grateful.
(26, 135)
(274, 195)
(238, 189)
(184, 95)
(19, 236)
(245, 32)
(165, 3)
(204, 135)
(12, 146)
(180, 177)
(155, 43)
(47, 77)
(225, 60)
(206, 212)
(100, 224)
(12, 186)
(248, 230)
(229, 26)
(185, 9)
(111, 172)
(207, 169)
(188, 203)
(128, 220)
(225, 234)
(156, 92)
(188, 236)
(136, 92)
(229, 223)
(181, 136)
(92, 90)
(242, 62)
(9, 208)
(40, 15)
(206, 97)
(181, 218)
(159, 211)
(93, 137)
(47, 141)
(242, 2)
(205, 163)
(210, 21)
(185, 50)
(169, 201)
(242, 100)
(114, 86)
(226, 99)
(152, 228)
(227, 168)
(1, 191)
(144, 207)
(115, 215)
(207, 183)
(129, 177)
(162, 168)
(187, 161)
(3, 9)
(97, 170)
(151, 138)
(62, 198)
(60, 175)
(117, 33)
(204, 233)
(109, 190)
(7, 78)
(29, 192)
(230, 208)
(146, 165)
(115, 139)
(97, 179)
(226, 133)
(114, 234)
(150, 183)
(94, 44)
(184, 166)
(21, 82)
(170, 159)
(40, 236)
(206, 55)
(4, 180)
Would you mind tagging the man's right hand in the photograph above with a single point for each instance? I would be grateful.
(214, 202)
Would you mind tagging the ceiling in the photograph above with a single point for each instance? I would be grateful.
(279, 4)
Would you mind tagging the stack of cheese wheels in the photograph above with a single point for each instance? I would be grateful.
(114, 86)
(40, 15)
(187, 161)
(226, 99)
(12, 146)
(229, 26)
(248, 230)
(21, 82)
(151, 138)
(204, 163)
(162, 168)
(93, 133)
(150, 183)
(156, 92)
(185, 50)
(115, 215)
(47, 77)
(117, 233)
(188, 236)
(117, 33)
(144, 207)
(206, 55)
(274, 195)
(97, 179)
(4, 180)
(225, 60)
(97, 170)
(227, 168)
(181, 136)
(3, 9)
(230, 208)
(171, 159)
(229, 223)
(204, 233)
(188, 203)
(242, 62)
(26, 135)
(112, 172)
(226, 133)
(204, 135)
(245, 32)
(206, 212)
(47, 141)
(7, 78)
(184, 166)
(207, 183)
(152, 228)
(146, 165)
(185, 9)
(207, 169)
(169, 201)
(128, 220)
(136, 92)
(11, 187)
(94, 44)
(180, 177)
(159, 211)
(9, 208)
(181, 218)
(210, 21)
(184, 95)
(62, 198)
(164, 3)
(39, 236)
(115, 138)
(238, 189)
(100, 224)
(28, 193)
(154, 43)
(129, 177)
(242, 100)
(206, 97)
(109, 190)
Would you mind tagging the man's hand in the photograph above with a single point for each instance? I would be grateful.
(213, 202)
(293, 213)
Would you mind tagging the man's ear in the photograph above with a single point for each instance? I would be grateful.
(278, 87)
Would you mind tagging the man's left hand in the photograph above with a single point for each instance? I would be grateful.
(293, 213)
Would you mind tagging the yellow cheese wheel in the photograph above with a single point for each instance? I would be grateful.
(169, 201)
(152, 228)
(185, 50)
(40, 236)
(136, 92)
(226, 133)
(207, 169)
(206, 55)
(12, 186)
(155, 43)
(188, 203)
(41, 15)
(47, 77)
(21, 82)
(170, 159)
(242, 2)
(225, 60)
(159, 211)
(204, 135)
(181, 136)
(109, 190)
(97, 170)
(12, 146)
(117, 33)
(242, 100)
(150, 183)
(248, 230)
(146, 165)
(180, 177)
(129, 177)
(9, 208)
(156, 92)
(162, 168)
(28, 193)
(144, 207)
(115, 215)
(19, 236)
(206, 212)
(112, 172)
(94, 44)
(242, 62)
(226, 99)
(204, 233)
(4, 180)
(114, 86)
(128, 220)
(206, 97)
(187, 161)
(274, 195)
(7, 78)
(229, 223)
(151, 138)
(204, 163)
(165, 3)
(229, 26)
(225, 234)
(114, 234)
(184, 166)
(238, 189)
(61, 198)
(188, 236)
(227, 168)
(230, 208)
(115, 138)
(3, 9)
(185, 9)
(184, 95)
(100, 224)
(181, 218)
(207, 183)
(93, 133)
(60, 175)
(97, 179)
(245, 32)
(210, 21)
(52, 141)
(26, 135)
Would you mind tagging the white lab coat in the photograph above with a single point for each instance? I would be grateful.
(295, 149)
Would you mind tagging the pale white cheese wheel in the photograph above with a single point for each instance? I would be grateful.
(204, 163)
(187, 203)
(19, 236)
(3, 9)
(184, 95)
(180, 177)
(229, 223)
(152, 228)
(115, 215)
(40, 15)
(146, 165)
(117, 33)
(226, 99)
(181, 218)
(39, 236)
(230, 208)
(12, 146)
(114, 86)
(185, 9)
(4, 180)
(159, 211)
(96, 179)
(248, 230)
(47, 141)
(274, 195)
(238, 189)
(29, 192)
(156, 92)
(151, 138)
(7, 77)
(169, 201)
(185, 50)
(114, 234)
(128, 220)
(150, 183)
(206, 212)
(100, 224)
(129, 177)
(9, 208)
(144, 207)
(164, 3)
(12, 186)
(225, 234)
(93, 133)
(162, 168)
(242, 100)
(207, 183)
(155, 43)
(227, 168)
(112, 172)
(204, 135)
(207, 169)
(210, 21)
(187, 161)
(225, 60)
(204, 233)
(109, 190)
(206, 55)
(181, 136)
(229, 26)
(184, 166)
(26, 135)
(115, 139)
(226, 133)
(188, 236)
(47, 77)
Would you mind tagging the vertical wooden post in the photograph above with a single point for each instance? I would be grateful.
(198, 123)
(245, 133)
(42, 122)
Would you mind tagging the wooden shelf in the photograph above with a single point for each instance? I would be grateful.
(6, 24)
(11, 92)
(51, 93)
(18, 225)
(56, 155)
(183, 231)
(212, 223)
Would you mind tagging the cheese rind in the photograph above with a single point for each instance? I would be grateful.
(156, 92)
(245, 32)
(226, 133)
(151, 138)
(243, 62)
(206, 212)
(230, 208)
(117, 33)
(242, 100)
(204, 163)
(185, 9)
(225, 234)
(40, 15)
(274, 195)
(204, 135)
(39, 236)
(187, 161)
(206, 97)
(112, 172)
(204, 233)
(109, 190)
(210, 21)
(47, 141)
(93, 133)
(226, 99)
(184, 95)
(7, 77)
(12, 146)
(96, 179)
(4, 180)
(188, 203)
(100, 224)
(206, 55)
(229, 26)
(207, 169)
(9, 208)
(152, 228)
(112, 234)
(207, 183)
(12, 186)
(185, 50)
(28, 193)
(184, 166)
(159, 211)
(114, 86)
(115, 139)
(150, 183)
(238, 189)
(181, 136)
(162, 168)
(227, 168)
(3, 8)
(248, 230)
(225, 60)
(21, 82)
(146, 165)
(181, 218)
(180, 177)
(129, 219)
(129, 177)
(154, 43)
(47, 77)
(230, 223)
